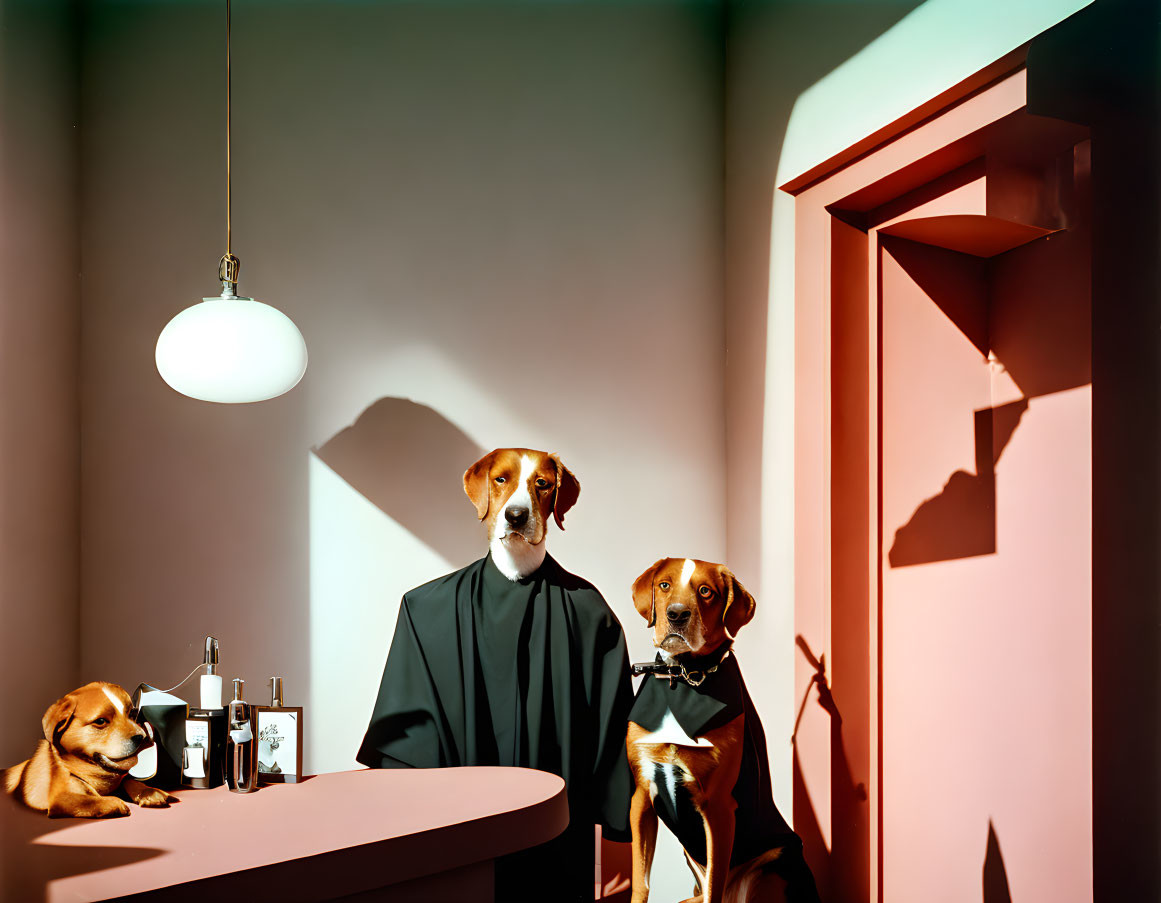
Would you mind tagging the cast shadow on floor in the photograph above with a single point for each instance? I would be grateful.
(28, 867)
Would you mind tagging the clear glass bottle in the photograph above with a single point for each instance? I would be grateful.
(241, 748)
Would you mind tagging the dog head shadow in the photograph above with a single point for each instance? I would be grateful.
(408, 460)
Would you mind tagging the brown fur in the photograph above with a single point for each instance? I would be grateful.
(89, 745)
(491, 481)
(720, 606)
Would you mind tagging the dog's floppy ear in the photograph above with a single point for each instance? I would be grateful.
(476, 483)
(57, 717)
(739, 604)
(643, 593)
(567, 491)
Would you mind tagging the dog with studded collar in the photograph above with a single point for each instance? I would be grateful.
(697, 750)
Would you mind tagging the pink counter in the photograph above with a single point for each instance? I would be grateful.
(423, 834)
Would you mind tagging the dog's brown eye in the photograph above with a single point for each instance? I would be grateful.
(664, 584)
(542, 483)
(705, 591)
(101, 722)
(501, 479)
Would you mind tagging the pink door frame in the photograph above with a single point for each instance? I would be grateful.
(944, 176)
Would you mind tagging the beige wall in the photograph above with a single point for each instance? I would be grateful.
(495, 224)
(508, 214)
(774, 52)
(39, 310)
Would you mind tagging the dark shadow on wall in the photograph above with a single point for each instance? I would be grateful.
(1030, 307)
(1099, 68)
(408, 461)
(1027, 312)
(961, 521)
(995, 875)
(841, 873)
(774, 51)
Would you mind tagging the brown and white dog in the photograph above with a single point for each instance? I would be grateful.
(516, 491)
(91, 740)
(696, 746)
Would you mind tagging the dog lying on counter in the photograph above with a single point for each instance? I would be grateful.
(91, 740)
(697, 749)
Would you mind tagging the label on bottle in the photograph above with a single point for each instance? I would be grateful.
(197, 748)
(278, 742)
(242, 734)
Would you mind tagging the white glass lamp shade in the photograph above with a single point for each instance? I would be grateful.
(231, 350)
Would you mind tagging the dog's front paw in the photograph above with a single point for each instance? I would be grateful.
(154, 799)
(144, 795)
(110, 807)
(87, 805)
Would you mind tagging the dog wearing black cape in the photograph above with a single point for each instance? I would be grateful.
(512, 660)
(697, 748)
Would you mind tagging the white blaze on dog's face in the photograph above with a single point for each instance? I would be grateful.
(693, 606)
(516, 491)
(95, 723)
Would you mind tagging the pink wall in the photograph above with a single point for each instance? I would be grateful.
(987, 542)
(39, 328)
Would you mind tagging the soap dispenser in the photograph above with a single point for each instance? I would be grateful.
(211, 683)
(204, 756)
(241, 750)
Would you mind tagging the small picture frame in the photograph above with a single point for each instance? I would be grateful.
(279, 734)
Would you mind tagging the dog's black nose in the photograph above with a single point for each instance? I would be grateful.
(517, 516)
(678, 614)
(138, 741)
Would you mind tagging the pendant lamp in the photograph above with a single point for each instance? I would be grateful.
(228, 348)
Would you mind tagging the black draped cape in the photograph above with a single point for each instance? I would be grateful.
(484, 670)
(721, 698)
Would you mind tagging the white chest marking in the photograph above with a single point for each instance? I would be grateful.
(670, 775)
(672, 732)
(687, 571)
(117, 704)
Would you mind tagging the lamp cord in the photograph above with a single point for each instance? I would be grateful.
(229, 265)
(228, 181)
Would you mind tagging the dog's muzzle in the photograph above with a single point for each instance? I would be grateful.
(517, 522)
(122, 764)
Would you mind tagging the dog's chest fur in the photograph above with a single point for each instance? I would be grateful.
(684, 747)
